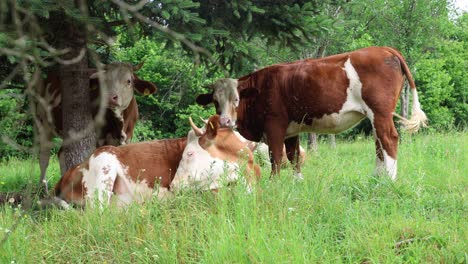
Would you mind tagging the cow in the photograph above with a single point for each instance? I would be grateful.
(327, 95)
(214, 157)
(120, 116)
(127, 173)
(135, 172)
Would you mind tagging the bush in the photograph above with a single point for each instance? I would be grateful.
(15, 123)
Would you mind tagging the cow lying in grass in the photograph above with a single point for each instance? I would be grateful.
(135, 172)
(213, 158)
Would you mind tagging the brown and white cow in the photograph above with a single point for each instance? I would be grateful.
(327, 95)
(135, 172)
(121, 111)
(214, 157)
(128, 173)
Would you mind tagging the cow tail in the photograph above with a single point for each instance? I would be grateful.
(418, 117)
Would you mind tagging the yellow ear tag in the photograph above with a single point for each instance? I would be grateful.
(212, 127)
(147, 92)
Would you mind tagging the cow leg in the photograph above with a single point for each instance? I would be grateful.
(379, 160)
(292, 152)
(275, 138)
(44, 156)
(386, 137)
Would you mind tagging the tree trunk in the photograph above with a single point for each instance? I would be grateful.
(404, 101)
(76, 105)
(312, 138)
(332, 140)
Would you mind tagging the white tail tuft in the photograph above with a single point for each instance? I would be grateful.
(418, 117)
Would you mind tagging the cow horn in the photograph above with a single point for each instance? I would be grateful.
(197, 130)
(138, 66)
(205, 121)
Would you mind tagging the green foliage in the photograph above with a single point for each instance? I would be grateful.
(436, 91)
(15, 123)
(454, 51)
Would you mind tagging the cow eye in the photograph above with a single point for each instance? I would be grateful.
(129, 81)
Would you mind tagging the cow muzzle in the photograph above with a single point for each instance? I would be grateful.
(113, 100)
(227, 122)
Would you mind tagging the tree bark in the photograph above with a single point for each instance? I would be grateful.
(76, 105)
(404, 101)
(312, 138)
(332, 139)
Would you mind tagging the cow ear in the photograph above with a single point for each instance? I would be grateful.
(95, 75)
(212, 127)
(144, 87)
(138, 66)
(204, 99)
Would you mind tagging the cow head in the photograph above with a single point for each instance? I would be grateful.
(212, 157)
(120, 80)
(225, 98)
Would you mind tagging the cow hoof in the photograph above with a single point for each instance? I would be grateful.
(298, 176)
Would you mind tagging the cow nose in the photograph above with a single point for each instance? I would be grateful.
(225, 121)
(114, 99)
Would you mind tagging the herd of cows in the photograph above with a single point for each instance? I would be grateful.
(273, 105)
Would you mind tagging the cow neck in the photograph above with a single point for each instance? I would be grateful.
(225, 146)
(249, 121)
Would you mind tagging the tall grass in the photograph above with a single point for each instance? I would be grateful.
(340, 213)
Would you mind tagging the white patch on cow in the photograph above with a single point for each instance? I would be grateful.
(99, 179)
(353, 110)
(390, 165)
(138, 191)
(118, 81)
(227, 96)
(200, 170)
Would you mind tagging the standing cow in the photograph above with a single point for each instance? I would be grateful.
(327, 95)
(121, 110)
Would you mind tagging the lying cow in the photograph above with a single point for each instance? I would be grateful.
(214, 157)
(121, 113)
(327, 95)
(130, 172)
(134, 172)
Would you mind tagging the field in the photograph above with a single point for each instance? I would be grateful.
(340, 213)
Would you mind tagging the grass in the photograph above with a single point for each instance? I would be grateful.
(338, 214)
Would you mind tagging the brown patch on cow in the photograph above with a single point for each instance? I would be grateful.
(393, 62)
(106, 169)
(109, 184)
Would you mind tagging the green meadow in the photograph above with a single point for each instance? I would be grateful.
(340, 213)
